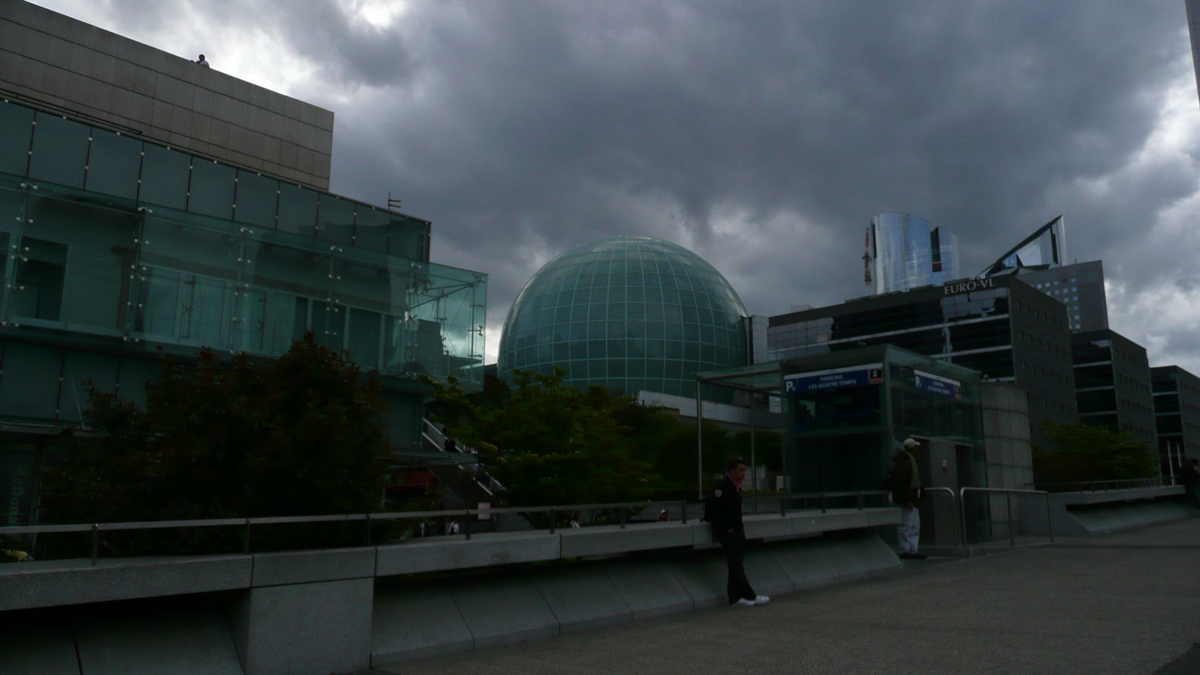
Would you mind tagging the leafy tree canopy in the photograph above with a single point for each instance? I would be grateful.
(1085, 452)
(299, 435)
(550, 443)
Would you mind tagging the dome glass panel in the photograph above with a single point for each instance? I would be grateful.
(628, 313)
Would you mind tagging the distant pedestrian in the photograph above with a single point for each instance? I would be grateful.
(201, 62)
(906, 493)
(724, 512)
(452, 528)
(450, 445)
(663, 516)
(1189, 478)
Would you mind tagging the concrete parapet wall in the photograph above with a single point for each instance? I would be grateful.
(416, 619)
(1088, 513)
(77, 582)
(342, 610)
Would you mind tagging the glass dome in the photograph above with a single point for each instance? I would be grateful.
(629, 313)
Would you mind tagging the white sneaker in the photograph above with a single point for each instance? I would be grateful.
(744, 603)
(761, 600)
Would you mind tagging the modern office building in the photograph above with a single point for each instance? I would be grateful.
(1112, 384)
(630, 313)
(1176, 414)
(904, 252)
(1079, 286)
(999, 326)
(120, 244)
(1045, 248)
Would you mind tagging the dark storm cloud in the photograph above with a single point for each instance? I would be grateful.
(555, 124)
(764, 135)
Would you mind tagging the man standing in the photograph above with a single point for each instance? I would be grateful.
(906, 493)
(725, 515)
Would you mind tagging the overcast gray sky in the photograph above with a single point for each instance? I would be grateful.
(761, 135)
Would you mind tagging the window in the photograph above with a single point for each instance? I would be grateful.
(41, 272)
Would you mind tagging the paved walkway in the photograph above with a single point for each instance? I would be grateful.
(1124, 604)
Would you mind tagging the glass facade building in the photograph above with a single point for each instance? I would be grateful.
(904, 252)
(122, 238)
(629, 313)
(117, 247)
(844, 413)
(1045, 248)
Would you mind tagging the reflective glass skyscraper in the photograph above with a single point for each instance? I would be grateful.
(904, 252)
(630, 313)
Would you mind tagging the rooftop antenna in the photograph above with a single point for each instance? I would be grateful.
(393, 204)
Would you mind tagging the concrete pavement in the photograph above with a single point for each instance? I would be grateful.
(1125, 603)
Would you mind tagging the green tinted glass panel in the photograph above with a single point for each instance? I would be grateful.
(256, 199)
(297, 210)
(30, 385)
(629, 313)
(212, 188)
(337, 220)
(101, 245)
(16, 130)
(363, 340)
(60, 150)
(41, 271)
(165, 177)
(408, 237)
(114, 164)
(371, 229)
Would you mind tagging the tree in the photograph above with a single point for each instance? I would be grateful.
(550, 443)
(300, 435)
(1085, 452)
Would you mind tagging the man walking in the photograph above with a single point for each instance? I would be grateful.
(906, 493)
(726, 517)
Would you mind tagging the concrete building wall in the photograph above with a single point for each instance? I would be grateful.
(1041, 353)
(1176, 413)
(1123, 399)
(78, 69)
(1080, 287)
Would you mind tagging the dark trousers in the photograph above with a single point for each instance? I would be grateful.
(737, 588)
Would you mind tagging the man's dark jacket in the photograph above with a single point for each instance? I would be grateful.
(726, 507)
(901, 479)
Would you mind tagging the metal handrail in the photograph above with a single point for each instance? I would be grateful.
(954, 509)
(1151, 482)
(96, 528)
(1012, 541)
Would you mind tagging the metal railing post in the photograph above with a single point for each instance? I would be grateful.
(246, 539)
(860, 501)
(95, 542)
(683, 510)
(552, 520)
(822, 502)
(1012, 541)
(467, 523)
(369, 528)
(622, 516)
(962, 512)
(1049, 518)
(782, 508)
